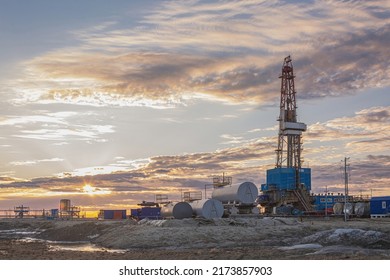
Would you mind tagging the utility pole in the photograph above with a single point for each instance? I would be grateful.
(346, 187)
(326, 202)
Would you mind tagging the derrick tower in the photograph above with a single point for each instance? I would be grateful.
(290, 131)
(288, 183)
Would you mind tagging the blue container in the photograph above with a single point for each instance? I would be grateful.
(284, 179)
(112, 214)
(320, 202)
(152, 213)
(380, 205)
(108, 214)
(54, 213)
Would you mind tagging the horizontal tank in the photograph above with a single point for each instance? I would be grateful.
(207, 208)
(362, 209)
(338, 208)
(177, 210)
(348, 209)
(245, 193)
(341, 208)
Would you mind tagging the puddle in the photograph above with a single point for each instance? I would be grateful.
(77, 246)
(14, 231)
(17, 233)
(24, 236)
(81, 247)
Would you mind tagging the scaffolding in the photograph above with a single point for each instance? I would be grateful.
(221, 181)
(161, 199)
(192, 196)
(72, 212)
(21, 211)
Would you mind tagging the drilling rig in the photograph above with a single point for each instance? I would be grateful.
(288, 184)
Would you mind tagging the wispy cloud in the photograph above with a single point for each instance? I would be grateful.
(230, 51)
(58, 126)
(78, 132)
(33, 162)
(371, 124)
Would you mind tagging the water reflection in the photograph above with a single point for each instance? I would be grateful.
(81, 247)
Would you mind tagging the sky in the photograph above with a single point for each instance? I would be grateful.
(109, 103)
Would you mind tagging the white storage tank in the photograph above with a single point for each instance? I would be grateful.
(362, 209)
(348, 208)
(245, 193)
(177, 210)
(338, 208)
(208, 208)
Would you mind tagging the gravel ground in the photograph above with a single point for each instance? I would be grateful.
(272, 238)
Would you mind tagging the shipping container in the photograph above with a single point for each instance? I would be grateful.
(152, 213)
(112, 214)
(380, 206)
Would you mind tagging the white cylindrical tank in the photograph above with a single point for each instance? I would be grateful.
(362, 209)
(177, 210)
(245, 193)
(348, 208)
(338, 208)
(208, 208)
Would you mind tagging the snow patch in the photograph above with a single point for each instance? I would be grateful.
(344, 236)
(302, 246)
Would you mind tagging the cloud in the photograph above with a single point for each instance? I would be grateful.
(79, 132)
(143, 179)
(58, 126)
(34, 162)
(367, 173)
(369, 123)
(227, 51)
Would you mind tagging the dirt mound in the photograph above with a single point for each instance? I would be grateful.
(345, 236)
(77, 232)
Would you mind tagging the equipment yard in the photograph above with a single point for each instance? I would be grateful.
(274, 238)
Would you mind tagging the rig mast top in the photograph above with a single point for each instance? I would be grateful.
(290, 131)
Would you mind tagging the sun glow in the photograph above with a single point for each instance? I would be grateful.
(91, 190)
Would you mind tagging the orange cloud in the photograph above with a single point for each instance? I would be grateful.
(228, 51)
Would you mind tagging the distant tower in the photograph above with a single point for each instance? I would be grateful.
(290, 131)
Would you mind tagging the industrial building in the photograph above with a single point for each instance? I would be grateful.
(324, 202)
(380, 207)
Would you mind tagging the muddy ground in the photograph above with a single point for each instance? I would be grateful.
(272, 238)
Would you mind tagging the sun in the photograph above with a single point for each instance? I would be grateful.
(89, 189)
